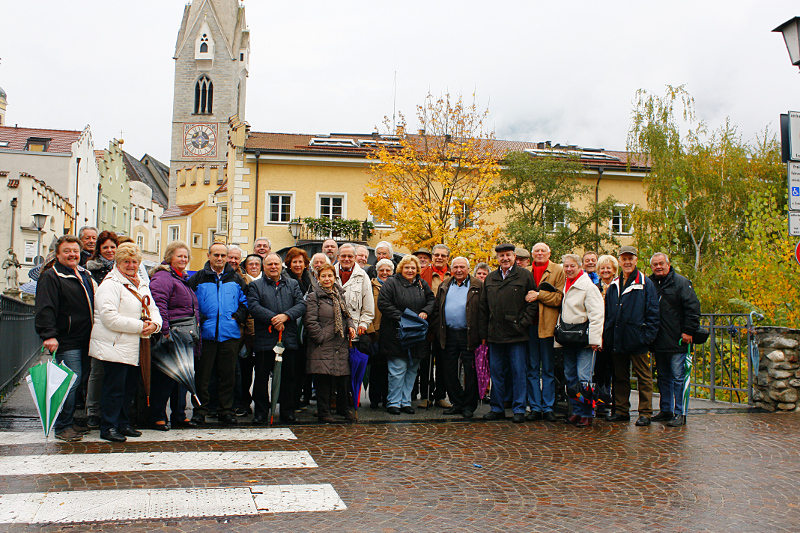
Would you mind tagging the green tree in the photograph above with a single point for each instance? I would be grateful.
(541, 193)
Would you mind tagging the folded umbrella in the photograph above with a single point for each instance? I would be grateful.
(547, 287)
(482, 369)
(687, 378)
(276, 374)
(413, 329)
(358, 366)
(49, 384)
(175, 359)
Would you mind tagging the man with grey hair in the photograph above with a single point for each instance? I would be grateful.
(357, 291)
(362, 256)
(383, 250)
(679, 310)
(235, 257)
(431, 388)
(88, 238)
(331, 249)
(262, 247)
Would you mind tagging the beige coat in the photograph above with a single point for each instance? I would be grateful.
(358, 297)
(583, 302)
(376, 322)
(550, 302)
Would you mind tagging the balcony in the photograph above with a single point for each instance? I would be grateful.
(309, 230)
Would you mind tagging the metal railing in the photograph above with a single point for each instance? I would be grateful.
(19, 339)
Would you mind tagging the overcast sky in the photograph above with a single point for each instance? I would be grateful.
(560, 71)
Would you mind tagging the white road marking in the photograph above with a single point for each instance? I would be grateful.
(11, 438)
(149, 504)
(29, 465)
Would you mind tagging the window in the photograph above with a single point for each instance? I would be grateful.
(555, 216)
(3, 144)
(203, 96)
(222, 218)
(279, 207)
(104, 210)
(114, 215)
(463, 215)
(174, 233)
(621, 219)
(146, 215)
(140, 241)
(124, 220)
(197, 240)
(158, 247)
(37, 144)
(30, 251)
(331, 206)
(154, 220)
(135, 213)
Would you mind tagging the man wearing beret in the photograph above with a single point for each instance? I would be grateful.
(504, 320)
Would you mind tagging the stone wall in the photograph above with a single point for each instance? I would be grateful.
(777, 385)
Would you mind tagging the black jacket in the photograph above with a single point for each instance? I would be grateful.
(680, 312)
(504, 313)
(439, 322)
(633, 315)
(65, 307)
(266, 299)
(397, 295)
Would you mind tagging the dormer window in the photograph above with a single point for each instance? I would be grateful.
(37, 144)
(204, 48)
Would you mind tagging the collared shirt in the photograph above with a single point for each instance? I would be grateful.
(455, 305)
(505, 273)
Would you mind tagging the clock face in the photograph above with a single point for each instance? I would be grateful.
(200, 140)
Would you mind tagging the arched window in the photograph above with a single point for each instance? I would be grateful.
(203, 96)
(203, 48)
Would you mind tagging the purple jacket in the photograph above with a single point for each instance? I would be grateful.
(173, 296)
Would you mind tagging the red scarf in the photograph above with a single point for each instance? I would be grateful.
(538, 272)
(442, 273)
(571, 282)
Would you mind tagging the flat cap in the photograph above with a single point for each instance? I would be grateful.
(522, 252)
(423, 251)
(628, 250)
(505, 247)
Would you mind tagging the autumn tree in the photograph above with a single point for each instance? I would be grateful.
(546, 202)
(436, 186)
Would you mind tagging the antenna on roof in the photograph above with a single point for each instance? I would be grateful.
(394, 102)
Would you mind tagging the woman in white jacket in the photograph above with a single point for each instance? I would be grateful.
(582, 303)
(119, 322)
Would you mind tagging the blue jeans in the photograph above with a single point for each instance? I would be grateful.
(541, 394)
(670, 371)
(578, 369)
(501, 358)
(402, 374)
(72, 359)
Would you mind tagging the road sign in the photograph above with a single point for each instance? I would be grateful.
(797, 252)
(794, 224)
(794, 185)
(794, 135)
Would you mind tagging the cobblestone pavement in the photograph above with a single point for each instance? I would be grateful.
(722, 472)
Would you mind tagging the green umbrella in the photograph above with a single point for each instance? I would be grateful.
(49, 384)
(687, 367)
(276, 375)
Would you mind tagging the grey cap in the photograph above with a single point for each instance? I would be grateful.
(505, 247)
(628, 250)
(522, 252)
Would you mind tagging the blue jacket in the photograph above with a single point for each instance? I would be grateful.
(222, 302)
(265, 300)
(634, 315)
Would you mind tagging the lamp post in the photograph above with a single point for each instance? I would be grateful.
(791, 36)
(39, 220)
(295, 227)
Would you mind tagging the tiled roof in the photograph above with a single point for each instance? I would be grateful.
(222, 188)
(98, 155)
(60, 140)
(181, 210)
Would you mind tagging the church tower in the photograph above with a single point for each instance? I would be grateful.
(212, 58)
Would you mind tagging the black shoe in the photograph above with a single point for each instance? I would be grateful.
(549, 416)
(494, 415)
(393, 410)
(242, 411)
(113, 435)
(199, 420)
(663, 416)
(376, 405)
(259, 421)
(618, 418)
(519, 418)
(229, 419)
(288, 419)
(185, 423)
(677, 421)
(93, 422)
(407, 410)
(130, 432)
(643, 421)
(467, 413)
(533, 416)
(163, 426)
(453, 411)
(327, 419)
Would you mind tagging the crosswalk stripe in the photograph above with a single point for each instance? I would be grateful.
(143, 504)
(12, 438)
(28, 465)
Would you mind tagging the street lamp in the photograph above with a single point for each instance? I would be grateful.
(39, 220)
(295, 227)
(791, 35)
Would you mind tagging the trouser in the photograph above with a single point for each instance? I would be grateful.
(218, 358)
(455, 349)
(671, 374)
(164, 389)
(578, 369)
(378, 383)
(540, 369)
(327, 387)
(402, 374)
(603, 378)
(120, 382)
(72, 360)
(264, 363)
(95, 388)
(431, 386)
(622, 383)
(505, 357)
(244, 380)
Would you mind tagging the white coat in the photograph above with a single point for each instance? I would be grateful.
(583, 302)
(358, 297)
(117, 319)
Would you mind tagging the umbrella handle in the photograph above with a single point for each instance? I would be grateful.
(280, 334)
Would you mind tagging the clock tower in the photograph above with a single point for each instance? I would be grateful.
(212, 58)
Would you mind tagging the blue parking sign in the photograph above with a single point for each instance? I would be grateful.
(795, 191)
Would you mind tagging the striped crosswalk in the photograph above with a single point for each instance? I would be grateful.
(169, 503)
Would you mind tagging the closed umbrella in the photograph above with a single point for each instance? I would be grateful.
(276, 374)
(49, 384)
(144, 350)
(358, 366)
(175, 358)
(482, 369)
(413, 329)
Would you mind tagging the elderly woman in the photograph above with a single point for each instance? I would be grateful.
(404, 290)
(607, 268)
(317, 260)
(383, 250)
(379, 371)
(177, 304)
(102, 261)
(246, 362)
(481, 271)
(124, 313)
(329, 328)
(582, 304)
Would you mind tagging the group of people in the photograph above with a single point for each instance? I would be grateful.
(96, 303)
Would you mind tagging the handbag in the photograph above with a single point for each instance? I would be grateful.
(572, 335)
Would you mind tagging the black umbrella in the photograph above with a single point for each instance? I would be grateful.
(547, 287)
(175, 358)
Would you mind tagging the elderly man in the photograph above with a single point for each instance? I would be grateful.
(632, 312)
(590, 265)
(383, 250)
(431, 387)
(64, 318)
(680, 319)
(425, 257)
(523, 257)
(504, 320)
(88, 238)
(235, 258)
(262, 247)
(357, 290)
(362, 256)
(330, 249)
(541, 356)
(455, 322)
(223, 309)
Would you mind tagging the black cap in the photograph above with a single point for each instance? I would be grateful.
(505, 247)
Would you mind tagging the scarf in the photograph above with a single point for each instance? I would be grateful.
(572, 281)
(442, 272)
(134, 279)
(107, 263)
(339, 308)
(538, 272)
